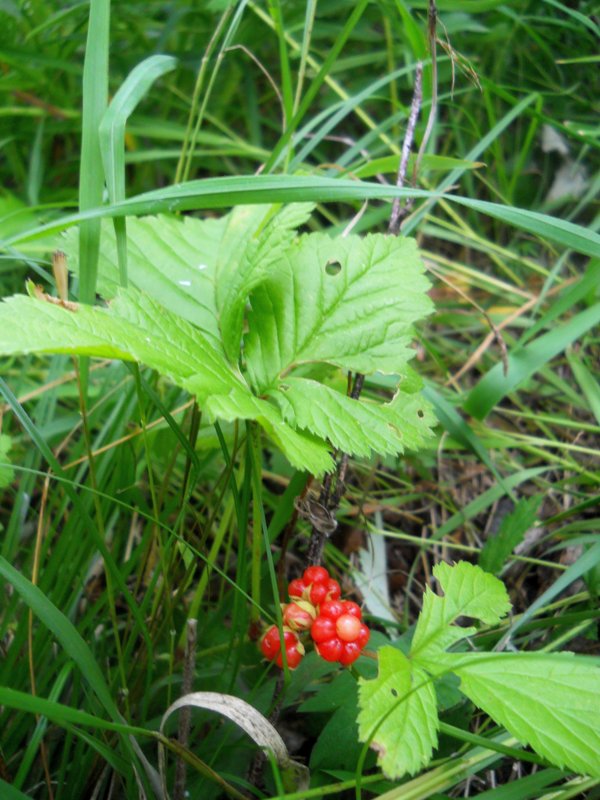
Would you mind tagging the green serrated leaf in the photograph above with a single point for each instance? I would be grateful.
(398, 714)
(201, 270)
(468, 591)
(302, 450)
(136, 328)
(7, 473)
(511, 532)
(548, 701)
(133, 328)
(355, 427)
(349, 302)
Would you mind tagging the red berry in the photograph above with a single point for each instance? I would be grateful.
(350, 652)
(293, 654)
(352, 608)
(330, 650)
(363, 636)
(331, 609)
(315, 575)
(333, 590)
(271, 647)
(318, 593)
(297, 588)
(270, 643)
(299, 616)
(348, 628)
(322, 629)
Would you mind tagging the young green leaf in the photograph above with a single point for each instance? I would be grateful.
(511, 532)
(349, 302)
(398, 714)
(548, 701)
(468, 591)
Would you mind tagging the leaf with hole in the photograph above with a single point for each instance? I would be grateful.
(398, 714)
(310, 306)
(468, 591)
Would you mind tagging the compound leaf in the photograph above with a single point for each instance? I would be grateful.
(398, 714)
(468, 591)
(133, 328)
(201, 270)
(548, 701)
(136, 327)
(352, 426)
(349, 302)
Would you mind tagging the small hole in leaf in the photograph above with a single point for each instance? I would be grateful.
(420, 413)
(333, 267)
(394, 693)
(284, 387)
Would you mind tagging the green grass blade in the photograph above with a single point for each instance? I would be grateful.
(588, 384)
(486, 499)
(317, 82)
(112, 137)
(588, 561)
(460, 430)
(575, 294)
(91, 182)
(10, 793)
(60, 713)
(251, 189)
(66, 633)
(73, 495)
(112, 126)
(526, 361)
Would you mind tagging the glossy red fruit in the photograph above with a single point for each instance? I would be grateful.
(331, 609)
(363, 636)
(297, 588)
(271, 647)
(333, 590)
(270, 643)
(350, 652)
(348, 628)
(323, 629)
(293, 654)
(352, 608)
(330, 650)
(315, 575)
(317, 594)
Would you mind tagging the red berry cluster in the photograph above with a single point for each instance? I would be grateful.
(335, 625)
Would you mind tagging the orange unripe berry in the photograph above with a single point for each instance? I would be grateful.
(348, 627)
(299, 616)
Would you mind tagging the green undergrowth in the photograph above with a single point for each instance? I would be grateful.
(151, 480)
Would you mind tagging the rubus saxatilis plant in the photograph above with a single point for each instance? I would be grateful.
(255, 321)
